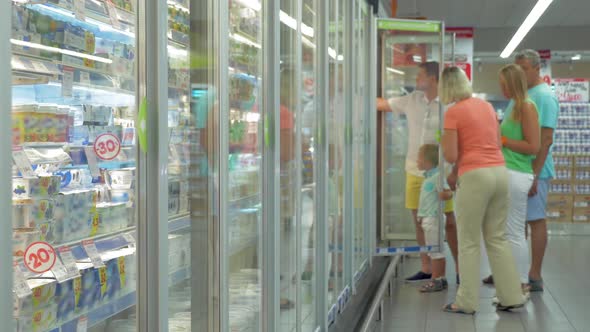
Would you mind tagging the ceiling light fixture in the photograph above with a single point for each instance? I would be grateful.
(577, 57)
(395, 71)
(60, 50)
(526, 26)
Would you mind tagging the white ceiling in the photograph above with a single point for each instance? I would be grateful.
(565, 26)
(496, 13)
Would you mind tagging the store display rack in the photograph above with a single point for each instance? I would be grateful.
(569, 198)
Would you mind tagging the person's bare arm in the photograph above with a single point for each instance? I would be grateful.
(452, 178)
(531, 133)
(383, 105)
(445, 195)
(546, 142)
(450, 146)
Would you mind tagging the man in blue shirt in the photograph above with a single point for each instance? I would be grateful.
(548, 109)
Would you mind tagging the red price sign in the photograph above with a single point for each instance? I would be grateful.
(107, 146)
(40, 257)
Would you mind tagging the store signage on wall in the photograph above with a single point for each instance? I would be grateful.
(463, 49)
(40, 257)
(546, 65)
(572, 89)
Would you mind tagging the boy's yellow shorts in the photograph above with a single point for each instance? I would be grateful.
(413, 185)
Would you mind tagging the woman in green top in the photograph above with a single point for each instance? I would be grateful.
(521, 132)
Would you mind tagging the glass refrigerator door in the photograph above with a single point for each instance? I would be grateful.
(243, 254)
(74, 165)
(404, 47)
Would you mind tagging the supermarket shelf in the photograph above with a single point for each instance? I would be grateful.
(47, 66)
(179, 224)
(119, 305)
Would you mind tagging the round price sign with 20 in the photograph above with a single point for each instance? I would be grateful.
(40, 257)
(107, 146)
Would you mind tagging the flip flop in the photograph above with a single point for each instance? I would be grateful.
(508, 308)
(449, 308)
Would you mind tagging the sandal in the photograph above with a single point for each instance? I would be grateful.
(434, 285)
(509, 308)
(488, 281)
(449, 308)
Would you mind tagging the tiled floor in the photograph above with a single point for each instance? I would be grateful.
(563, 307)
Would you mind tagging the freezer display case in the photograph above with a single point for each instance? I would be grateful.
(74, 164)
(404, 47)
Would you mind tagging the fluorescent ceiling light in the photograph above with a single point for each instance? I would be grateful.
(395, 71)
(577, 57)
(332, 53)
(60, 50)
(526, 26)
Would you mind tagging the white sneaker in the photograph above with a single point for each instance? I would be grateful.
(526, 297)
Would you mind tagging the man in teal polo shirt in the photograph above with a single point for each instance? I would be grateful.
(544, 171)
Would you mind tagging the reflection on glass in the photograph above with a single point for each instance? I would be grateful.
(187, 186)
(245, 170)
(74, 170)
(336, 151)
(308, 159)
(415, 120)
(288, 170)
(358, 124)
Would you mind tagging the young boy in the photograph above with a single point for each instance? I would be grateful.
(430, 196)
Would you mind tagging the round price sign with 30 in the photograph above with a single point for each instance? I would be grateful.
(40, 257)
(107, 146)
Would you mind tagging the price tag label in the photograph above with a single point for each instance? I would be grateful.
(129, 238)
(59, 272)
(40, 257)
(92, 161)
(80, 9)
(85, 77)
(21, 286)
(69, 262)
(90, 248)
(82, 324)
(22, 162)
(107, 146)
(67, 82)
(112, 9)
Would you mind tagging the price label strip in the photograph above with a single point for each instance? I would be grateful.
(67, 83)
(130, 239)
(80, 9)
(21, 286)
(92, 161)
(68, 263)
(82, 324)
(90, 248)
(85, 77)
(22, 162)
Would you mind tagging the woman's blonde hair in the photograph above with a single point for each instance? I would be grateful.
(454, 85)
(516, 83)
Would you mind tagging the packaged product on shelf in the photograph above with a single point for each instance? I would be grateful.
(90, 293)
(121, 178)
(43, 295)
(41, 320)
(73, 218)
(122, 195)
(65, 296)
(22, 238)
(42, 186)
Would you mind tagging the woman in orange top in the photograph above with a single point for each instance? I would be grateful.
(471, 141)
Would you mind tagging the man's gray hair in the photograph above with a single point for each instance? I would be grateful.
(531, 55)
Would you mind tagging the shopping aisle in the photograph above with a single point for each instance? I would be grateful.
(563, 307)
